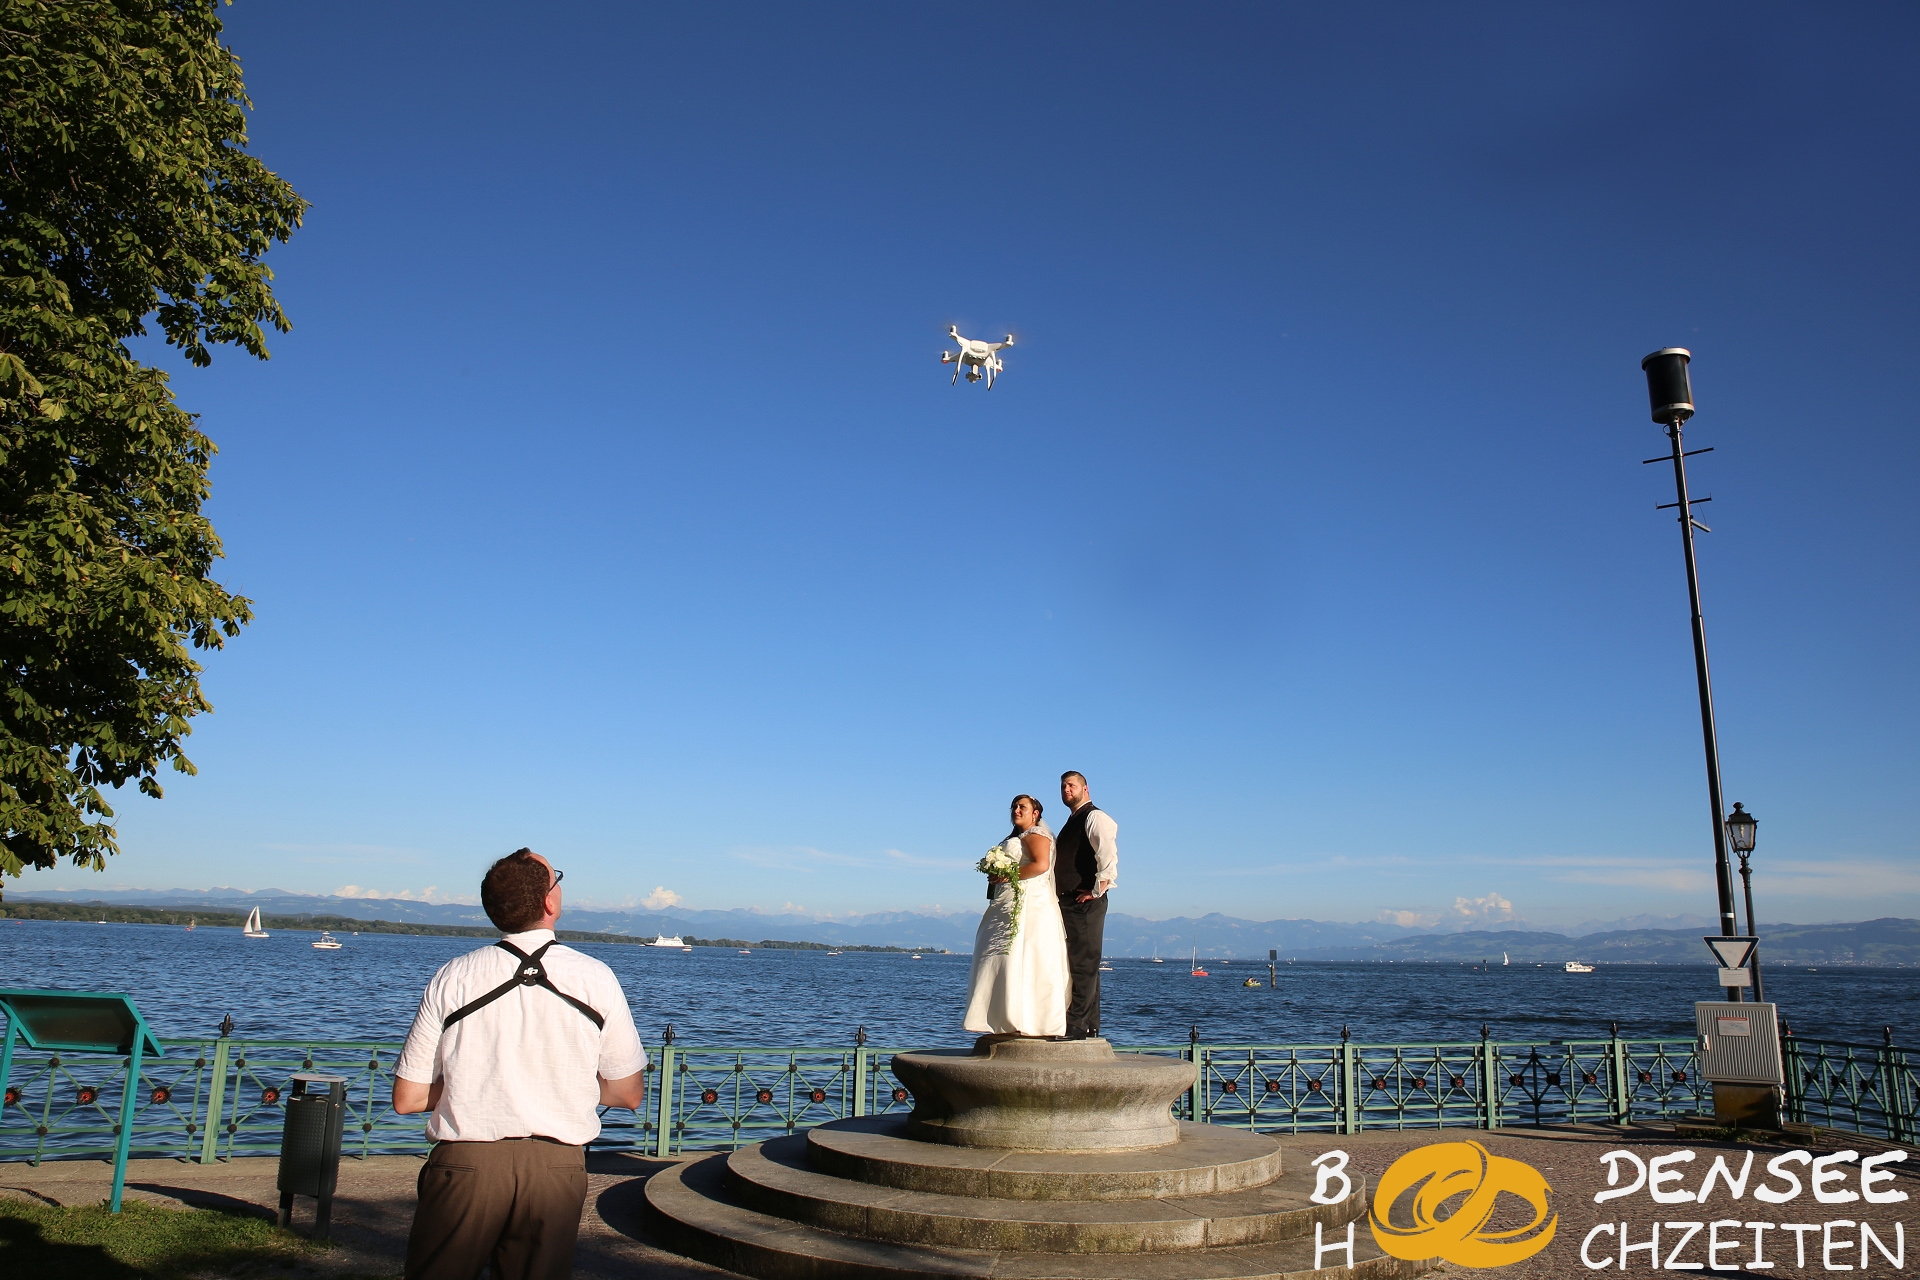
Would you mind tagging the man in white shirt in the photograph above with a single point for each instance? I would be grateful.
(1086, 865)
(513, 1049)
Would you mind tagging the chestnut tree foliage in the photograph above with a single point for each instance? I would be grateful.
(126, 195)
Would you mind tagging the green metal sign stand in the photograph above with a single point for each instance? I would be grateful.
(83, 1022)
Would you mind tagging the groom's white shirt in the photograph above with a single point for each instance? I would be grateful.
(1103, 833)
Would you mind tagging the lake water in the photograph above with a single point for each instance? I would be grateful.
(280, 987)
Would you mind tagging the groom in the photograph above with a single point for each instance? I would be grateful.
(1085, 867)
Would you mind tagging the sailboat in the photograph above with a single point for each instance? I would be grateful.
(189, 924)
(1196, 970)
(1156, 954)
(1504, 962)
(252, 927)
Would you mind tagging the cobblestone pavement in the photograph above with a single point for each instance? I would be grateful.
(374, 1206)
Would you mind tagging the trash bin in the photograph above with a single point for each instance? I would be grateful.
(310, 1145)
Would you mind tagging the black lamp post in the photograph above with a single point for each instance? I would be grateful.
(1741, 829)
(1670, 392)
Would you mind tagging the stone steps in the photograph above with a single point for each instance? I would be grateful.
(774, 1178)
(1206, 1161)
(695, 1213)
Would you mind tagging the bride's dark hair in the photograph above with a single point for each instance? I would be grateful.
(1038, 809)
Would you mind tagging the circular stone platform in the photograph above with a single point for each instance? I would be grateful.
(966, 1185)
(1043, 1095)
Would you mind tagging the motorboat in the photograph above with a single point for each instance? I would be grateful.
(252, 928)
(664, 941)
(833, 953)
(1251, 982)
(914, 957)
(745, 952)
(327, 942)
(1106, 968)
(1578, 966)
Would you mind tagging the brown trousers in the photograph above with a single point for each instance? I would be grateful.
(514, 1203)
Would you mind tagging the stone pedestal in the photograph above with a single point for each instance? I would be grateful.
(1043, 1095)
(1026, 1160)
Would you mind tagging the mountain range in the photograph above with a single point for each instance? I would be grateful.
(1635, 940)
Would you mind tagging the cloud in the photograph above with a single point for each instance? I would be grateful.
(796, 858)
(934, 864)
(1673, 879)
(1409, 919)
(430, 894)
(1491, 909)
(661, 898)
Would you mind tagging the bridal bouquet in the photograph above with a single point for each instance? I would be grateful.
(1003, 863)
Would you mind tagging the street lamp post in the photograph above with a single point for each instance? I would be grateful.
(1670, 392)
(1741, 828)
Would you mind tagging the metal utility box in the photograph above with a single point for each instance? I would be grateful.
(1739, 1043)
(1740, 1054)
(310, 1145)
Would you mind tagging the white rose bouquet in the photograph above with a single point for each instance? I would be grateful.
(1003, 863)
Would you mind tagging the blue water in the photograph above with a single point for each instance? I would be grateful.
(280, 987)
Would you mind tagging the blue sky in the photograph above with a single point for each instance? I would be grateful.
(608, 495)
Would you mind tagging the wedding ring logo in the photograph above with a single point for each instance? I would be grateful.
(1436, 1174)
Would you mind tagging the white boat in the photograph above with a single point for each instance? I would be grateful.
(189, 924)
(327, 942)
(1576, 966)
(745, 952)
(916, 957)
(664, 941)
(252, 927)
(1504, 962)
(1106, 968)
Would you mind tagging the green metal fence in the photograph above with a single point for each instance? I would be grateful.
(219, 1098)
(1867, 1088)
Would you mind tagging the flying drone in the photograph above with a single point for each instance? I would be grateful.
(974, 357)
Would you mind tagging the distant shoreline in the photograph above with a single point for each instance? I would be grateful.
(169, 917)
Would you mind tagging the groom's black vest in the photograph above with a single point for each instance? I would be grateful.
(1074, 868)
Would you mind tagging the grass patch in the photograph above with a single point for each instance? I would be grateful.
(141, 1242)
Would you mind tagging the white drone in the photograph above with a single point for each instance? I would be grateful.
(974, 357)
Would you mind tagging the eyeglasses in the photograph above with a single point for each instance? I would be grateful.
(558, 876)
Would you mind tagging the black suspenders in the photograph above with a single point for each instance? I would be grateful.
(530, 974)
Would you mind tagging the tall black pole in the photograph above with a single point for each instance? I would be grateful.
(1753, 957)
(1722, 868)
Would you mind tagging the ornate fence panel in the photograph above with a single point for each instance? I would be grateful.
(1662, 1078)
(1403, 1086)
(1866, 1088)
(1271, 1088)
(63, 1106)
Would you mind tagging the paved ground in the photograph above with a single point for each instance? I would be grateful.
(374, 1206)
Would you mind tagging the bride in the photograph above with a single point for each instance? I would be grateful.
(1019, 980)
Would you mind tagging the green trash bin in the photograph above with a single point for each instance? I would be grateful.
(310, 1145)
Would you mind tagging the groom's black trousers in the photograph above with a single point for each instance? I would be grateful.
(1086, 924)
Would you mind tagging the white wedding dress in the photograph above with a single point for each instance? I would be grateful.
(1019, 981)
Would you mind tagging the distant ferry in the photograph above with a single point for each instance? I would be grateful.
(664, 941)
(1575, 966)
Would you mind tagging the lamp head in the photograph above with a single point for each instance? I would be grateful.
(1669, 390)
(1741, 828)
